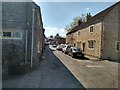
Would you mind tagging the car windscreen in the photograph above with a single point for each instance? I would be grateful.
(76, 49)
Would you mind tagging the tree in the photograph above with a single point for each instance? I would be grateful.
(67, 28)
(81, 18)
(51, 37)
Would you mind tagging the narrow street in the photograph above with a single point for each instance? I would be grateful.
(50, 74)
(40, 47)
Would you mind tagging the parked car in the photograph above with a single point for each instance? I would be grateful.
(54, 45)
(60, 47)
(75, 52)
(65, 49)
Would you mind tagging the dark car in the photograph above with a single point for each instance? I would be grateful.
(75, 52)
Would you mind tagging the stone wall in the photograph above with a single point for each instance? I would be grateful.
(86, 35)
(119, 29)
(110, 30)
(14, 15)
(69, 39)
(37, 40)
(14, 19)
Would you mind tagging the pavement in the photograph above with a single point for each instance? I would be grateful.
(51, 73)
(90, 73)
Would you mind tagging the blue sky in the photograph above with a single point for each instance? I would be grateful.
(57, 15)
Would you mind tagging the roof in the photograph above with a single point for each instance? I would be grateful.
(61, 38)
(98, 17)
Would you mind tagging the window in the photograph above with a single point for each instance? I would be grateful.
(91, 28)
(91, 44)
(7, 35)
(79, 33)
(118, 46)
(16, 34)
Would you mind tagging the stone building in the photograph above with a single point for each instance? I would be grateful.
(22, 33)
(99, 36)
(59, 40)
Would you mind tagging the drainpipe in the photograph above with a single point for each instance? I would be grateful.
(102, 40)
(26, 46)
(32, 38)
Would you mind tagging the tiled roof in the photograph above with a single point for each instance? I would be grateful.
(60, 38)
(98, 17)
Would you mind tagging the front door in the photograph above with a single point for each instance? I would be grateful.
(83, 47)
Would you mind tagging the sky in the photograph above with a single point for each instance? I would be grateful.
(57, 15)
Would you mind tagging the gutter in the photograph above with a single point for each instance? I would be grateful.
(102, 39)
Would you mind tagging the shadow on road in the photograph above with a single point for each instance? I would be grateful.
(82, 58)
(67, 78)
(50, 73)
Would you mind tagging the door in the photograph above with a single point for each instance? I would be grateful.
(83, 47)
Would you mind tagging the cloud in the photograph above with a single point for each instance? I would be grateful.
(87, 9)
(53, 31)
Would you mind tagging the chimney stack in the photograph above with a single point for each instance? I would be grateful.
(88, 16)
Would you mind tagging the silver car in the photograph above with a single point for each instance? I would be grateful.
(60, 47)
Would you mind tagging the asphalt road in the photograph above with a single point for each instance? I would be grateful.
(91, 74)
(51, 73)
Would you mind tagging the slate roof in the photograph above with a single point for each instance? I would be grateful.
(98, 17)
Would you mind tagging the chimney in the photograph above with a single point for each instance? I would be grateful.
(88, 16)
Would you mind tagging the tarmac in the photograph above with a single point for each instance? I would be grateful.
(51, 73)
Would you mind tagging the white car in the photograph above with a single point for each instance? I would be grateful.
(60, 47)
(64, 50)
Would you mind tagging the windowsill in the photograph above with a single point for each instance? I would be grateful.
(91, 32)
(12, 38)
(91, 48)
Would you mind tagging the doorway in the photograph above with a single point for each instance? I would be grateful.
(83, 47)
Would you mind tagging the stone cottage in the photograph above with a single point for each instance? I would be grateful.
(22, 33)
(59, 40)
(99, 36)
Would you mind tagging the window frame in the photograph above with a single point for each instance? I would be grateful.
(93, 44)
(92, 29)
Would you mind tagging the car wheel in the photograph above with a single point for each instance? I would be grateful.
(69, 54)
(82, 56)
